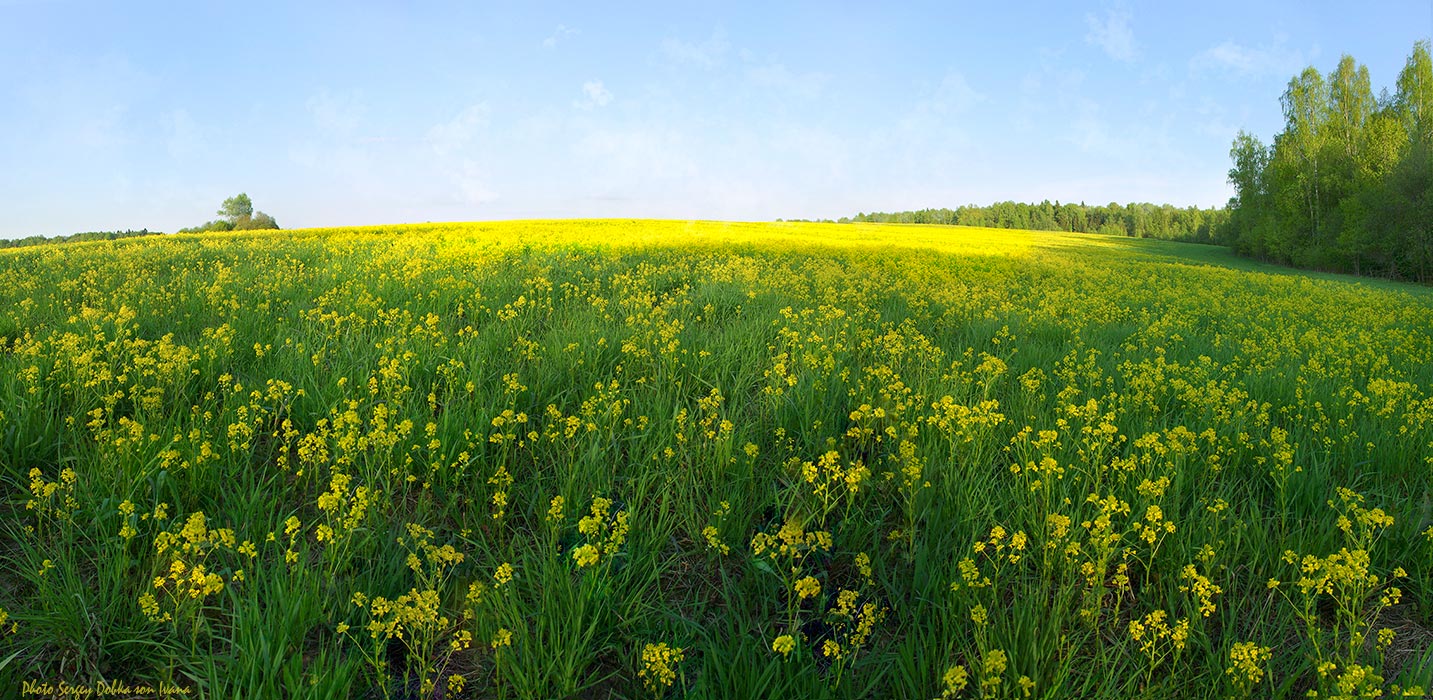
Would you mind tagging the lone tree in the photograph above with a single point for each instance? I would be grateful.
(237, 209)
(237, 214)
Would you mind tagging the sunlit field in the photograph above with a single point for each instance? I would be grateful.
(671, 459)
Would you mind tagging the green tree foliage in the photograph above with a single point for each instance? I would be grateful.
(1140, 220)
(77, 238)
(263, 221)
(1251, 191)
(237, 208)
(1348, 184)
(1414, 101)
(236, 214)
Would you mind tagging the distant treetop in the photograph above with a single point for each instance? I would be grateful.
(236, 214)
(1140, 220)
(76, 238)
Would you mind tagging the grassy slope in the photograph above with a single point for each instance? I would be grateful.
(872, 383)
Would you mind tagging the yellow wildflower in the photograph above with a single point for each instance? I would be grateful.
(503, 575)
(585, 556)
(503, 638)
(659, 663)
(783, 645)
(807, 587)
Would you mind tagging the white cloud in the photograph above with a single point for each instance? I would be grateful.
(561, 33)
(80, 106)
(778, 77)
(707, 54)
(641, 153)
(454, 135)
(1214, 120)
(462, 150)
(595, 95)
(1250, 61)
(954, 94)
(333, 148)
(1051, 89)
(472, 183)
(921, 142)
(1113, 35)
(818, 152)
(336, 114)
(930, 116)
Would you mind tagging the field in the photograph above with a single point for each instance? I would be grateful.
(648, 458)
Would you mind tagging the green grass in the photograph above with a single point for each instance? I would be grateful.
(989, 453)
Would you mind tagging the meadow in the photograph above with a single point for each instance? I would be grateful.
(672, 459)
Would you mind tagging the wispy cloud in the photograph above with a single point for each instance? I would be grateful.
(472, 183)
(707, 54)
(87, 103)
(954, 94)
(822, 154)
(646, 153)
(778, 77)
(1230, 57)
(452, 136)
(1112, 34)
(1213, 120)
(933, 131)
(560, 34)
(336, 114)
(462, 150)
(595, 95)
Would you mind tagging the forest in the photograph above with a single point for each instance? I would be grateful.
(74, 238)
(1348, 184)
(1140, 220)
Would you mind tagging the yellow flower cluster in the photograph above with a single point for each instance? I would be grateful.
(992, 671)
(852, 623)
(712, 534)
(605, 533)
(501, 481)
(831, 480)
(784, 645)
(52, 499)
(186, 577)
(422, 551)
(713, 538)
(954, 682)
(1247, 661)
(1203, 589)
(1154, 629)
(344, 506)
(791, 541)
(659, 666)
(502, 638)
(807, 587)
(503, 575)
(885, 387)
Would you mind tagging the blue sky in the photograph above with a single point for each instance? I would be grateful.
(127, 115)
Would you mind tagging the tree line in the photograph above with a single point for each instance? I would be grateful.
(76, 238)
(1348, 184)
(1140, 220)
(236, 214)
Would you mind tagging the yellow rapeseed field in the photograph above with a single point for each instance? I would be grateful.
(543, 459)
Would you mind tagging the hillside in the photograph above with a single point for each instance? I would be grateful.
(615, 458)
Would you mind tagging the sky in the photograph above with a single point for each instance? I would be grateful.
(128, 115)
